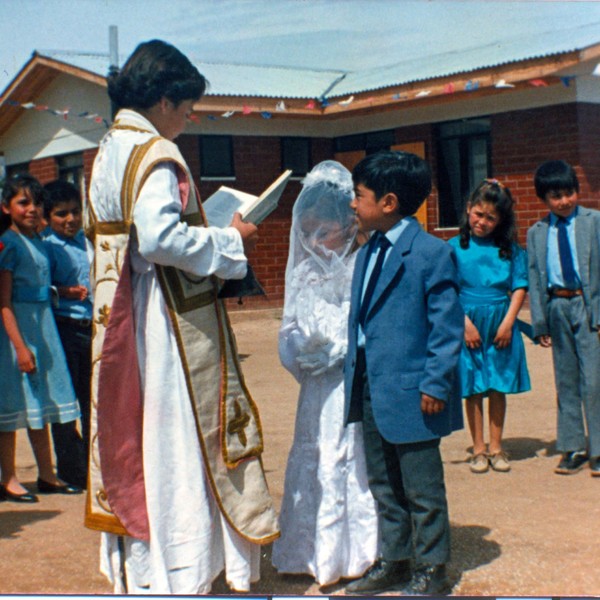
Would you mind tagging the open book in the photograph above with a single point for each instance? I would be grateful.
(219, 208)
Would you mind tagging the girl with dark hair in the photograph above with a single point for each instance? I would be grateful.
(492, 273)
(176, 439)
(36, 388)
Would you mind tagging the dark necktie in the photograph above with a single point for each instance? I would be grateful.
(565, 255)
(383, 244)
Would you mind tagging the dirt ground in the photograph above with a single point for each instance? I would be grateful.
(525, 533)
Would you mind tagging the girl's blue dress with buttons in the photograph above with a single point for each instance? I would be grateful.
(46, 396)
(485, 283)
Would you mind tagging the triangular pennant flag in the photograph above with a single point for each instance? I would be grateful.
(423, 93)
(228, 114)
(538, 83)
(246, 110)
(347, 101)
(281, 107)
(501, 83)
(265, 114)
(28, 105)
(449, 88)
(310, 105)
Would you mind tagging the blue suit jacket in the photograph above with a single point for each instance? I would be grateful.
(414, 332)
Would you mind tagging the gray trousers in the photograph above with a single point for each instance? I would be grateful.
(576, 355)
(407, 482)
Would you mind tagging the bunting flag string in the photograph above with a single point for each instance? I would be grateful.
(65, 113)
(312, 104)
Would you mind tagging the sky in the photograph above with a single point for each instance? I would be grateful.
(328, 34)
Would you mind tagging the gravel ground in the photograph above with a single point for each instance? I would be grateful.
(524, 533)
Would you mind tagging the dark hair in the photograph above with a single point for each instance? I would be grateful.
(155, 70)
(58, 191)
(12, 186)
(555, 176)
(499, 196)
(401, 173)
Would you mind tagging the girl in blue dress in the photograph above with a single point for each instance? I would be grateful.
(492, 272)
(36, 388)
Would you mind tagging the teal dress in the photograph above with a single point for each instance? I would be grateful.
(485, 283)
(46, 396)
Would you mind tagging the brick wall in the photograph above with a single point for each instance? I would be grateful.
(521, 140)
(257, 161)
(44, 169)
(88, 162)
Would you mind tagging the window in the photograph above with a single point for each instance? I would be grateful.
(216, 156)
(464, 159)
(295, 155)
(370, 142)
(70, 168)
(18, 169)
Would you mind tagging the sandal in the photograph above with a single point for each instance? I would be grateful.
(499, 462)
(479, 463)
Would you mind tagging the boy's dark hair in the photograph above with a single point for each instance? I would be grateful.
(155, 70)
(555, 176)
(499, 196)
(12, 186)
(401, 173)
(58, 191)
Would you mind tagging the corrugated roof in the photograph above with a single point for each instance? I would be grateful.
(494, 53)
(230, 79)
(432, 57)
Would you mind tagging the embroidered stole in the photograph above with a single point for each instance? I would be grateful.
(226, 417)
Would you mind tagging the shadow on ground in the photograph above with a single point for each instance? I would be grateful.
(518, 449)
(12, 522)
(470, 550)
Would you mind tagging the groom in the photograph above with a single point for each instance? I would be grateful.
(405, 335)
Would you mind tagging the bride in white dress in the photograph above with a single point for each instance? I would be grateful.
(328, 518)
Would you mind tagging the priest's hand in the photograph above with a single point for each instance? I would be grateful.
(248, 231)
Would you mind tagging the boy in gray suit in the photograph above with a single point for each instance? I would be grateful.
(564, 289)
(405, 334)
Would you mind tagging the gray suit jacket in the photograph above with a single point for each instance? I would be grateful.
(587, 241)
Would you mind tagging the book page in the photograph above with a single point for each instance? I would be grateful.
(219, 208)
(221, 205)
(268, 200)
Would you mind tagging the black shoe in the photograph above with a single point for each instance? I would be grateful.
(595, 466)
(571, 462)
(26, 497)
(428, 581)
(50, 488)
(381, 576)
(79, 481)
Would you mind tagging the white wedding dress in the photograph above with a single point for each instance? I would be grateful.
(328, 518)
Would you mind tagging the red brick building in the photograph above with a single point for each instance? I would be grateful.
(500, 120)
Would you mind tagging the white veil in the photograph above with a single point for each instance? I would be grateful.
(320, 264)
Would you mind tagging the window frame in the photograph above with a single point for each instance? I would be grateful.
(227, 174)
(449, 200)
